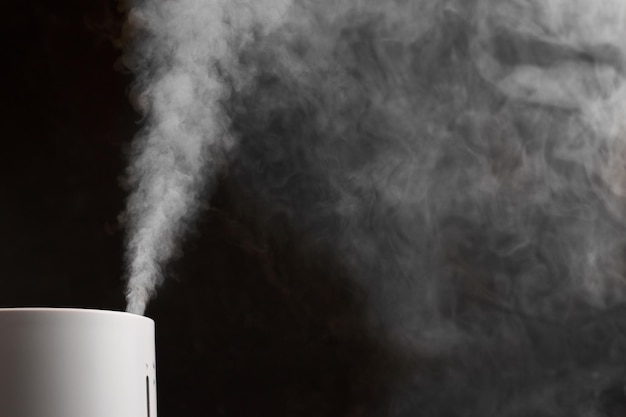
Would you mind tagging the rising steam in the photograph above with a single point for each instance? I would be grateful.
(465, 159)
(174, 48)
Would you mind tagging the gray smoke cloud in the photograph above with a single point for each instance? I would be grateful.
(464, 159)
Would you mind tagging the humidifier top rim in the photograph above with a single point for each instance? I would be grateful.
(66, 310)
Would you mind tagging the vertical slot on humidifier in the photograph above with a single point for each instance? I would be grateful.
(148, 394)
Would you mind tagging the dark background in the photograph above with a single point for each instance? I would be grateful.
(252, 320)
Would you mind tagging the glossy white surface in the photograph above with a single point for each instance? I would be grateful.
(76, 363)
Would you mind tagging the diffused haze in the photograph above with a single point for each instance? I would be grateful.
(464, 159)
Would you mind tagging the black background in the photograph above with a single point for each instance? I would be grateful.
(248, 323)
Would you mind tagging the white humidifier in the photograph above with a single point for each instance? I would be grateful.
(76, 363)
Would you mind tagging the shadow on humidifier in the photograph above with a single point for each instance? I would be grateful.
(76, 363)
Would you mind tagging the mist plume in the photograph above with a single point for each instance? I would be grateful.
(174, 48)
(465, 159)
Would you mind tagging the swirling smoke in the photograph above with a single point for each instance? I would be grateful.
(466, 160)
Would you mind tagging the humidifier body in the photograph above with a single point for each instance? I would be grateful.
(76, 363)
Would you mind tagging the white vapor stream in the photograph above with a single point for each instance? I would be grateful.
(172, 151)
(173, 48)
